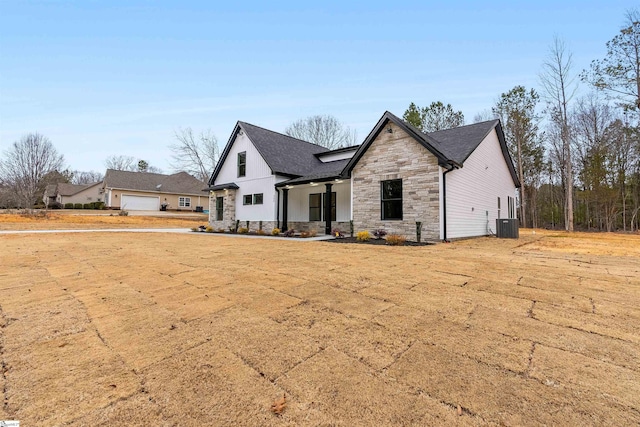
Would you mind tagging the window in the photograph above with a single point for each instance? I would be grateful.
(315, 207)
(247, 199)
(391, 199)
(184, 202)
(498, 207)
(242, 165)
(257, 199)
(333, 205)
(317, 202)
(219, 205)
(512, 207)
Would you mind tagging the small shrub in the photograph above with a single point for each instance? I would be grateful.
(77, 206)
(123, 213)
(68, 205)
(275, 231)
(363, 236)
(379, 233)
(304, 234)
(209, 229)
(337, 233)
(243, 230)
(261, 232)
(313, 233)
(87, 206)
(194, 229)
(290, 233)
(396, 240)
(220, 230)
(99, 205)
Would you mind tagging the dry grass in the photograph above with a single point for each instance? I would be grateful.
(68, 220)
(198, 329)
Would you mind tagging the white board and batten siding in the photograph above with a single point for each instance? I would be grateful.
(473, 191)
(258, 179)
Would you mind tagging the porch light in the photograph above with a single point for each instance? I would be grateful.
(313, 184)
(289, 187)
(338, 180)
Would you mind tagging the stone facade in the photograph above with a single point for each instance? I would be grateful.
(397, 155)
(228, 209)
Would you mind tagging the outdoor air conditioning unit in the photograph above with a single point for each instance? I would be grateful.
(507, 228)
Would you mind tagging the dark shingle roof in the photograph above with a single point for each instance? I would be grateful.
(284, 154)
(452, 146)
(179, 183)
(458, 143)
(324, 172)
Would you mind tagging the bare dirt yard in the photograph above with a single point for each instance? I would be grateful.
(196, 329)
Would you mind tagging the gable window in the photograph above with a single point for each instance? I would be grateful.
(242, 165)
(219, 205)
(391, 199)
(184, 202)
(315, 207)
(257, 199)
(247, 199)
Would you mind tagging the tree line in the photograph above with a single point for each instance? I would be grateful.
(577, 158)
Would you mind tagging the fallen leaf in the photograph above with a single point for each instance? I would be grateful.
(278, 405)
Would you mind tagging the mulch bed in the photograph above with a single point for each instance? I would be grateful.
(375, 242)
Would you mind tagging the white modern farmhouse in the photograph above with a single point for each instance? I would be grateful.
(455, 183)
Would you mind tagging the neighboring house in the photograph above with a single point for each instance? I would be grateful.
(152, 191)
(455, 182)
(60, 194)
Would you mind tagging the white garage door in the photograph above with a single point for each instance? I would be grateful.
(140, 203)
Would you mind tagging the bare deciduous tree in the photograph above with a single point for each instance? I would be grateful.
(484, 116)
(130, 164)
(326, 131)
(121, 163)
(195, 154)
(86, 177)
(618, 74)
(25, 164)
(559, 86)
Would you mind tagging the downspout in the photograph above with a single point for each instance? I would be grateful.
(450, 167)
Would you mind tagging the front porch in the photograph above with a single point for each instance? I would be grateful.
(320, 206)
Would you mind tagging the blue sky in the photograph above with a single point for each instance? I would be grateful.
(103, 78)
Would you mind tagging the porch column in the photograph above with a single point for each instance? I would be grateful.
(285, 208)
(327, 209)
